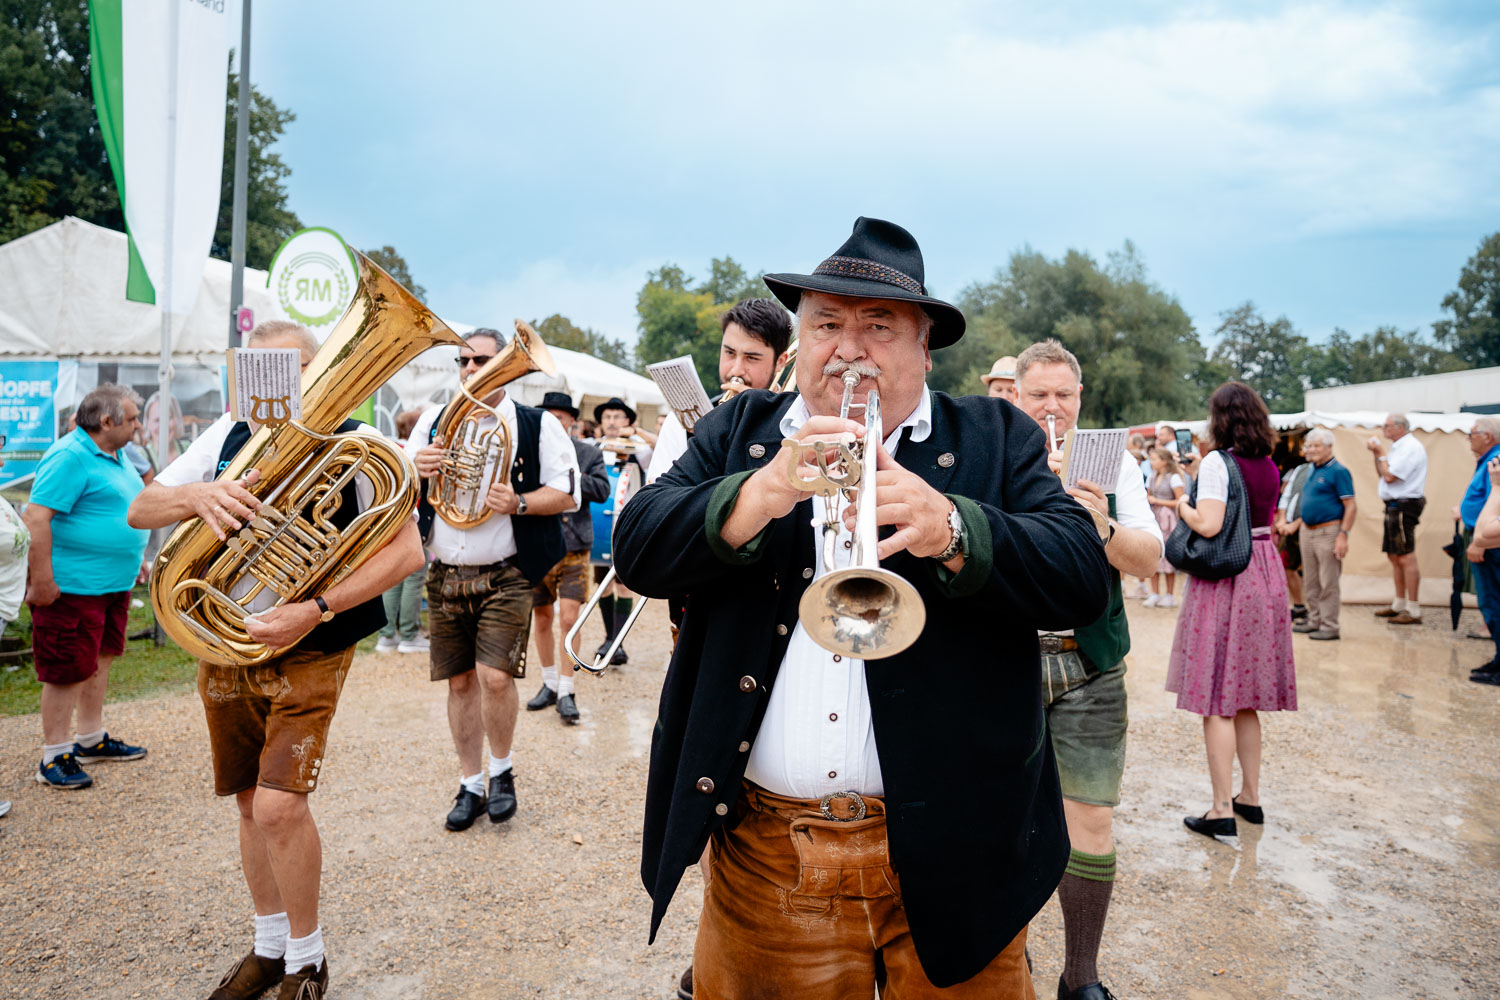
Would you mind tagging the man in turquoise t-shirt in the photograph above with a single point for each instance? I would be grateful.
(1327, 515)
(84, 559)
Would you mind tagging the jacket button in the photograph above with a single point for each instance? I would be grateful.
(747, 683)
(721, 809)
(706, 785)
(744, 745)
(807, 573)
(946, 460)
(757, 451)
(781, 630)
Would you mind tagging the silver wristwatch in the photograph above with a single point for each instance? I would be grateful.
(955, 525)
(520, 504)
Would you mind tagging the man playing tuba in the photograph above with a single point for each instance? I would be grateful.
(862, 826)
(479, 583)
(268, 723)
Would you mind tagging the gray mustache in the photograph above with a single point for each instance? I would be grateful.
(857, 367)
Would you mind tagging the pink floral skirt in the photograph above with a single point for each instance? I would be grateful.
(1233, 647)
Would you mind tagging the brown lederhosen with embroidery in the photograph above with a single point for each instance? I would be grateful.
(478, 613)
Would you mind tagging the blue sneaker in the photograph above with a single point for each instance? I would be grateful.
(108, 749)
(63, 772)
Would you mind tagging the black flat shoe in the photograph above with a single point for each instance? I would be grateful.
(545, 698)
(1090, 991)
(502, 804)
(1215, 828)
(1485, 677)
(467, 807)
(568, 709)
(1252, 814)
(619, 657)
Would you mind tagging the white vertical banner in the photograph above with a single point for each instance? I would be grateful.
(175, 60)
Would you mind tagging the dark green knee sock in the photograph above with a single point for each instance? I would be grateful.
(607, 613)
(622, 612)
(1084, 897)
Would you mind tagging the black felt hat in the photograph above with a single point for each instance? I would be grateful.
(613, 403)
(879, 260)
(560, 401)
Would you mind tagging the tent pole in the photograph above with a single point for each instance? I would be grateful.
(241, 171)
(164, 299)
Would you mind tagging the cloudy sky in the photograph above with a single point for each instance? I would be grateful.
(1336, 163)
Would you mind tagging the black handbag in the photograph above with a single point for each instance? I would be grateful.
(1227, 553)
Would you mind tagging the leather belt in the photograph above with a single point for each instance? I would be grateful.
(1315, 527)
(1054, 644)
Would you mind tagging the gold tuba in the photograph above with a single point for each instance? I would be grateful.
(467, 450)
(202, 588)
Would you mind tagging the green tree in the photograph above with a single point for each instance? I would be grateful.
(395, 265)
(1136, 345)
(559, 331)
(1271, 357)
(268, 220)
(676, 318)
(1384, 353)
(52, 159)
(1473, 332)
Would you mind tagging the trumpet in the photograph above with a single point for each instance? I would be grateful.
(863, 610)
(630, 481)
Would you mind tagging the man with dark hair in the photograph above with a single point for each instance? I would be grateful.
(755, 336)
(479, 583)
(1083, 674)
(84, 559)
(268, 723)
(567, 583)
(858, 836)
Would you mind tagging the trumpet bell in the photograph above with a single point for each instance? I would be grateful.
(862, 611)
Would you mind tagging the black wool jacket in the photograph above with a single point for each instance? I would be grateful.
(975, 821)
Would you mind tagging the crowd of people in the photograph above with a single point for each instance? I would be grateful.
(916, 851)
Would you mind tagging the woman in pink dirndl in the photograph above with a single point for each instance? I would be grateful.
(1232, 653)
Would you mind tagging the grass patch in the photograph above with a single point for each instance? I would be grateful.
(144, 669)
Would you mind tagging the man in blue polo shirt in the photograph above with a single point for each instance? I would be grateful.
(1484, 442)
(1327, 515)
(84, 560)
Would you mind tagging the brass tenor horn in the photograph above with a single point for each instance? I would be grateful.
(863, 610)
(475, 458)
(202, 589)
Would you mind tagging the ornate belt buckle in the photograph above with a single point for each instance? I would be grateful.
(859, 807)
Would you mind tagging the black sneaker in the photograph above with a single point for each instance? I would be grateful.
(544, 698)
(467, 807)
(108, 748)
(502, 805)
(64, 773)
(568, 709)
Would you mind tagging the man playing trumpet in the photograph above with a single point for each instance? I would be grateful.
(913, 844)
(268, 723)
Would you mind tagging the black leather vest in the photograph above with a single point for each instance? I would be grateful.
(353, 624)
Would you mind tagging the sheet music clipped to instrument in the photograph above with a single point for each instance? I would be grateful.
(678, 381)
(1094, 455)
(265, 385)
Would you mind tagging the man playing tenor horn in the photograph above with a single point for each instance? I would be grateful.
(860, 833)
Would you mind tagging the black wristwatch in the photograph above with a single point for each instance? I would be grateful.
(325, 613)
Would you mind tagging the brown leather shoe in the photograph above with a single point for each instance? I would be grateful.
(250, 977)
(307, 983)
(1403, 619)
(1387, 613)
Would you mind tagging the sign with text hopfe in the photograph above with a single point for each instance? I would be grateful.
(265, 386)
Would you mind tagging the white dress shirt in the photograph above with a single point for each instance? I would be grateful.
(1406, 459)
(817, 736)
(494, 540)
(671, 444)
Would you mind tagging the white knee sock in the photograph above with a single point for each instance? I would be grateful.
(271, 933)
(499, 765)
(304, 951)
(549, 677)
(90, 739)
(52, 751)
(564, 685)
(474, 783)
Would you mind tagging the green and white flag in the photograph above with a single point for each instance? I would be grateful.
(159, 87)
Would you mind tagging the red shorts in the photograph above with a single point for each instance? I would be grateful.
(69, 635)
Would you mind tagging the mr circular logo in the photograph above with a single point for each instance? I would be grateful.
(313, 276)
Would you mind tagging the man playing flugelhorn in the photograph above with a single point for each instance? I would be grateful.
(268, 723)
(899, 814)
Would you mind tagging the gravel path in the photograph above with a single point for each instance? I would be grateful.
(1378, 873)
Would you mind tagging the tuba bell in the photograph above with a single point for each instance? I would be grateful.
(474, 459)
(202, 589)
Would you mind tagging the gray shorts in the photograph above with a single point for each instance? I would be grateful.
(1087, 717)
